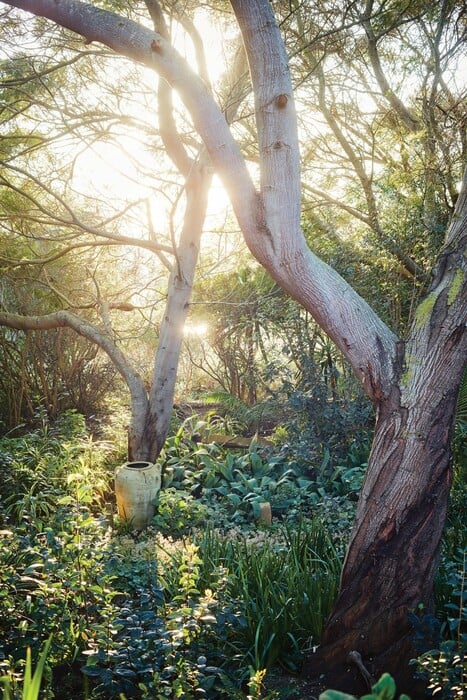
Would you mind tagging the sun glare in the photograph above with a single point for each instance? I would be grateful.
(116, 171)
(105, 169)
(195, 329)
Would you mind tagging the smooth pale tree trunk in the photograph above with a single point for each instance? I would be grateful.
(394, 548)
(150, 440)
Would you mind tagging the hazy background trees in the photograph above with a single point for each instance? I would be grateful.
(381, 100)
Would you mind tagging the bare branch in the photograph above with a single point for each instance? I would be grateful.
(396, 103)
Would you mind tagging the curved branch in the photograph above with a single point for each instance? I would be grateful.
(364, 218)
(168, 130)
(408, 265)
(66, 319)
(369, 345)
(270, 222)
(396, 103)
(16, 82)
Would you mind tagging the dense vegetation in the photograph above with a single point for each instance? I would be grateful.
(208, 602)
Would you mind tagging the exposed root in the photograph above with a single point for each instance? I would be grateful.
(356, 658)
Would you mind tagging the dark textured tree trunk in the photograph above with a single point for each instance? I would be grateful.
(394, 549)
(393, 556)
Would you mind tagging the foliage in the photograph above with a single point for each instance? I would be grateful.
(162, 641)
(384, 689)
(394, 192)
(36, 468)
(230, 482)
(53, 371)
(239, 418)
(32, 681)
(51, 569)
(244, 321)
(203, 605)
(149, 623)
(283, 607)
(442, 643)
(321, 430)
(178, 512)
(226, 486)
(444, 670)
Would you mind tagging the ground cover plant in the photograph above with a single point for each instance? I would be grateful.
(207, 602)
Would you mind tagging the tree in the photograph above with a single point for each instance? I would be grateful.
(89, 310)
(413, 382)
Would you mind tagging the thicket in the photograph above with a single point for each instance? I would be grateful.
(205, 603)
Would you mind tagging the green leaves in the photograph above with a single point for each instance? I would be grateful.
(282, 606)
(384, 689)
(32, 681)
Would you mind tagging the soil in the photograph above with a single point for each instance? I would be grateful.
(310, 684)
(315, 679)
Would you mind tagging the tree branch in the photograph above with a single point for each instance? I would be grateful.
(62, 319)
(270, 222)
(396, 103)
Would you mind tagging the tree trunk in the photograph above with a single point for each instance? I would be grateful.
(394, 548)
(393, 555)
(161, 394)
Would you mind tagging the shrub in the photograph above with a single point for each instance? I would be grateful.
(441, 663)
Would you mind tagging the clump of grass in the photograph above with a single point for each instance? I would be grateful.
(284, 584)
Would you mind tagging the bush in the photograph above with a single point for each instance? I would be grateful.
(441, 663)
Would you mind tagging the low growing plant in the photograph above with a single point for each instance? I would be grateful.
(384, 689)
(441, 664)
(283, 583)
(31, 684)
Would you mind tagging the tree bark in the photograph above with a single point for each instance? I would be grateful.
(394, 548)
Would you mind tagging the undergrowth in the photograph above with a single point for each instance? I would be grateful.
(207, 600)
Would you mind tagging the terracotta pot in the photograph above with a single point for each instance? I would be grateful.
(136, 486)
